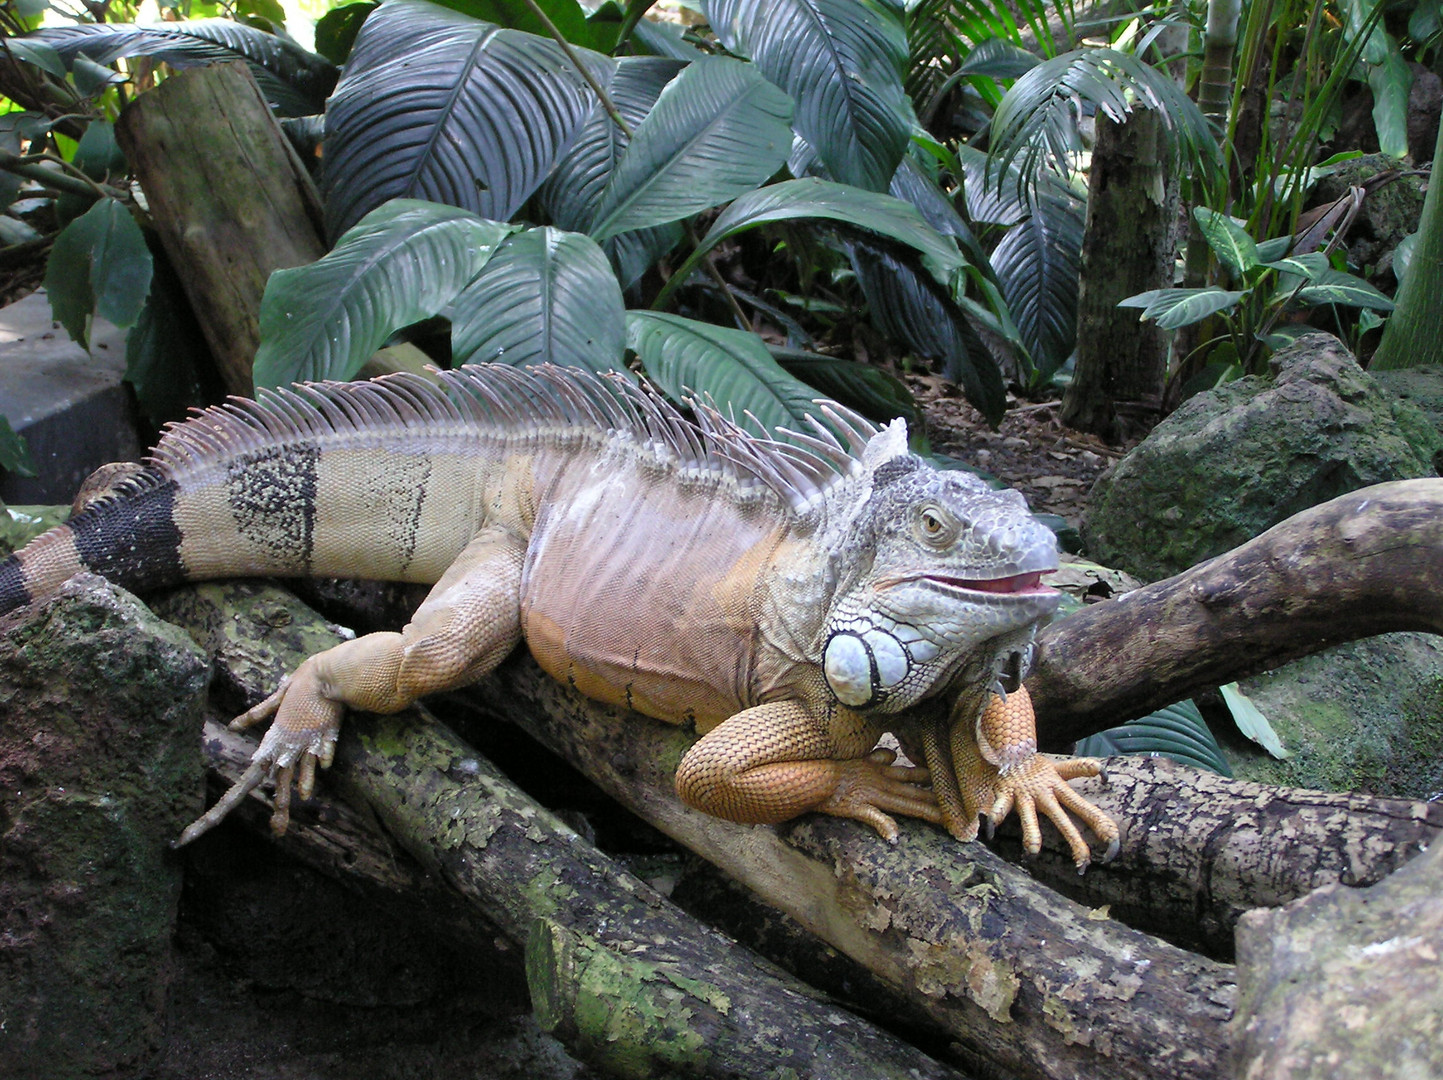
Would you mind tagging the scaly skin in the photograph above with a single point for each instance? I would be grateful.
(793, 604)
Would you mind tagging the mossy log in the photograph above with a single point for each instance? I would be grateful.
(621, 975)
(1365, 563)
(228, 196)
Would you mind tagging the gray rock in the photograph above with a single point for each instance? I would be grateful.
(99, 771)
(1421, 387)
(1343, 984)
(1234, 461)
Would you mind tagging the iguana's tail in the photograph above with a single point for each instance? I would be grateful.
(130, 537)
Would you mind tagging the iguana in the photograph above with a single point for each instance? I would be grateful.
(794, 600)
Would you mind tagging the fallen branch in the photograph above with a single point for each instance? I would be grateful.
(622, 976)
(1022, 979)
(953, 927)
(1365, 563)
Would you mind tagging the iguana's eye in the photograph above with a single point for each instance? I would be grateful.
(933, 525)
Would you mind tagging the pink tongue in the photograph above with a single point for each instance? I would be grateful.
(1019, 583)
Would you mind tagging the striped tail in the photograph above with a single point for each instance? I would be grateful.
(129, 537)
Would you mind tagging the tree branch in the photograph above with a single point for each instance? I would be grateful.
(1365, 563)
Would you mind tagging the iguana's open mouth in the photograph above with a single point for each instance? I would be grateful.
(1015, 585)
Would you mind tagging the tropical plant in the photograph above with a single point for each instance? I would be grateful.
(1270, 286)
(585, 171)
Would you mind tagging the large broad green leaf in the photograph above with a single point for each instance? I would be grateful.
(98, 266)
(294, 81)
(403, 263)
(842, 62)
(566, 15)
(1173, 308)
(910, 306)
(1391, 82)
(823, 200)
(434, 105)
(336, 30)
(1177, 732)
(1228, 239)
(1338, 287)
(571, 194)
(1036, 122)
(717, 130)
(37, 53)
(1037, 265)
(1307, 265)
(733, 368)
(914, 184)
(1251, 721)
(546, 296)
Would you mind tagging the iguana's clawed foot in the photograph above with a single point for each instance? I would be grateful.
(1041, 784)
(1019, 778)
(302, 736)
(872, 788)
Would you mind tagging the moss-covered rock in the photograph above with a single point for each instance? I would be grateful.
(99, 771)
(1237, 460)
(1367, 716)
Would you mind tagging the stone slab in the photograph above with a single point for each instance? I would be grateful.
(70, 406)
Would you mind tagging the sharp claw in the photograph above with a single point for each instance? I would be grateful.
(306, 782)
(1112, 849)
(249, 781)
(991, 827)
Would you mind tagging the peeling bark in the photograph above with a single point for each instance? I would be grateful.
(1199, 850)
(958, 930)
(1369, 562)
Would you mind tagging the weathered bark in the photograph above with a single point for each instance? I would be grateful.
(1199, 850)
(343, 843)
(1127, 249)
(618, 973)
(1344, 985)
(1365, 563)
(229, 197)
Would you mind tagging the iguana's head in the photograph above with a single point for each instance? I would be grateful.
(944, 574)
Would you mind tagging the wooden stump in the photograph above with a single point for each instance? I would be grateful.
(229, 197)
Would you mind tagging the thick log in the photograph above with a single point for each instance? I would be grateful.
(228, 196)
(1365, 563)
(1344, 985)
(1200, 850)
(622, 976)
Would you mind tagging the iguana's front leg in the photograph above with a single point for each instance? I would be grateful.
(467, 625)
(772, 762)
(996, 768)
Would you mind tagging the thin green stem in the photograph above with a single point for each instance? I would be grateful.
(600, 91)
(71, 181)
